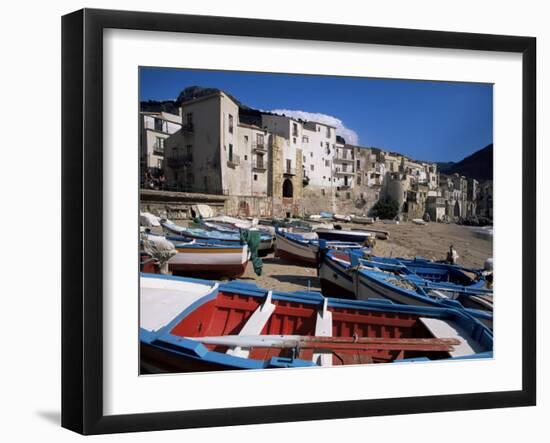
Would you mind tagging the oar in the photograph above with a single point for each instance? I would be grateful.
(319, 343)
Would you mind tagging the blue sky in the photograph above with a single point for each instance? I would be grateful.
(437, 121)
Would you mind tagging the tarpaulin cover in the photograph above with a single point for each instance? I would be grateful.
(252, 239)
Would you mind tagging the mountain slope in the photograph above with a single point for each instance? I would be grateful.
(479, 165)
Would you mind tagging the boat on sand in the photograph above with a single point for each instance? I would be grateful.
(303, 248)
(189, 325)
(417, 282)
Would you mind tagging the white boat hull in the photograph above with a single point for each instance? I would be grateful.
(224, 261)
(294, 252)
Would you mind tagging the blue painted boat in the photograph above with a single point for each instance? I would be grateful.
(303, 248)
(190, 325)
(355, 235)
(175, 232)
(197, 258)
(417, 282)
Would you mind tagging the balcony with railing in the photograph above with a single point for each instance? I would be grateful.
(177, 161)
(259, 147)
(289, 171)
(344, 156)
(342, 171)
(233, 160)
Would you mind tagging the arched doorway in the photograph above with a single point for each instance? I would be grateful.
(287, 188)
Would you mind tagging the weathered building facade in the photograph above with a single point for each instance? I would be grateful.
(154, 129)
(275, 165)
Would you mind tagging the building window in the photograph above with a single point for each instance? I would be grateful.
(230, 155)
(158, 124)
(246, 139)
(294, 140)
(246, 157)
(359, 182)
(312, 167)
(311, 154)
(288, 165)
(358, 165)
(255, 177)
(305, 139)
(260, 161)
(328, 132)
(260, 140)
(304, 158)
(323, 191)
(294, 130)
(159, 145)
(328, 148)
(327, 163)
(321, 144)
(230, 124)
(189, 118)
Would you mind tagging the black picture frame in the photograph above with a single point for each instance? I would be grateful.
(82, 259)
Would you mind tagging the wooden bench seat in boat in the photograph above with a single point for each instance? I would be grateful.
(448, 329)
(254, 325)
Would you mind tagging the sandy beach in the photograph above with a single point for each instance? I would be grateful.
(406, 240)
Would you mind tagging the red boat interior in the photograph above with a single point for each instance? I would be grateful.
(229, 312)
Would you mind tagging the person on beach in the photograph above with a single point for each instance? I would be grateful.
(452, 256)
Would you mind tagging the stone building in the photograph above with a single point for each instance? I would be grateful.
(214, 153)
(435, 207)
(344, 166)
(275, 165)
(154, 129)
(285, 185)
(484, 206)
(319, 148)
(454, 190)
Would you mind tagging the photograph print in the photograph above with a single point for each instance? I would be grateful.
(308, 221)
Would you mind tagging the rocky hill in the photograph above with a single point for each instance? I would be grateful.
(479, 165)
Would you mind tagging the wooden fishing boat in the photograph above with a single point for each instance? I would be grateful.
(356, 236)
(176, 232)
(363, 220)
(223, 224)
(189, 325)
(296, 248)
(342, 217)
(214, 260)
(417, 282)
(378, 233)
(303, 248)
(201, 258)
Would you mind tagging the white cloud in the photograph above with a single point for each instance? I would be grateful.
(349, 135)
